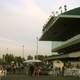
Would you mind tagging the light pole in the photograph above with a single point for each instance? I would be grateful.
(37, 48)
(0, 52)
(23, 51)
(7, 50)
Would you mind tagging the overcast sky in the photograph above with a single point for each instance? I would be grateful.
(21, 21)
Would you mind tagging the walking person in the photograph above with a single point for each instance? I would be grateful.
(31, 70)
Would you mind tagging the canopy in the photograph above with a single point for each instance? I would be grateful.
(62, 27)
(32, 61)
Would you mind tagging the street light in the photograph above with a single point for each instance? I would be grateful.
(37, 47)
(7, 50)
(23, 51)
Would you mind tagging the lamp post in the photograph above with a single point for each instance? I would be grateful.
(37, 48)
(23, 51)
(7, 50)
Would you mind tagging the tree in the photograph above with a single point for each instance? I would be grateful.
(18, 59)
(29, 57)
(40, 57)
(8, 58)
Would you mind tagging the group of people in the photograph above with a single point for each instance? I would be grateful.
(34, 70)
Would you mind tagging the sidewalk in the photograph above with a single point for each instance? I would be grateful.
(45, 77)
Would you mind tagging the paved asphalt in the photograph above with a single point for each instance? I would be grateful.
(24, 77)
(44, 77)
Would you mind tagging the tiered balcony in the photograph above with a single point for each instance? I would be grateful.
(67, 46)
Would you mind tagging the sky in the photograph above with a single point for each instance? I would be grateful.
(21, 21)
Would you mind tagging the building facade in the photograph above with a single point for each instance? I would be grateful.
(64, 32)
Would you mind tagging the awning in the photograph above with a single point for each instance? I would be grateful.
(73, 55)
(32, 61)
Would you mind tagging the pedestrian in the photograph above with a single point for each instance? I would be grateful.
(63, 71)
(31, 70)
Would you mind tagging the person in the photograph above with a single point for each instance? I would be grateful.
(31, 70)
(63, 71)
(37, 70)
(3, 72)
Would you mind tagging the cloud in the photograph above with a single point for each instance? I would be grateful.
(28, 16)
(23, 7)
(21, 21)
